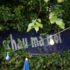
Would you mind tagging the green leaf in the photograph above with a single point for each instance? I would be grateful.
(18, 40)
(29, 29)
(23, 45)
(60, 23)
(36, 27)
(46, 0)
(8, 50)
(51, 15)
(30, 25)
(59, 1)
(62, 26)
(39, 20)
(20, 43)
(52, 20)
(33, 21)
(39, 24)
(44, 33)
(1, 26)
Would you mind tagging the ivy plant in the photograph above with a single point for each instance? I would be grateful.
(35, 24)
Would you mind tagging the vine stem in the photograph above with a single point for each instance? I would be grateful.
(50, 5)
(39, 10)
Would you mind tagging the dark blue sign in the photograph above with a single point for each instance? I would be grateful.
(61, 41)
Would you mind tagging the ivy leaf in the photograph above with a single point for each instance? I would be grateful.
(33, 21)
(60, 23)
(1, 26)
(8, 50)
(36, 27)
(46, 0)
(51, 15)
(30, 25)
(29, 29)
(35, 24)
(39, 24)
(39, 20)
(43, 33)
(59, 1)
(52, 20)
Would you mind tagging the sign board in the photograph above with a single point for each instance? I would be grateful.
(62, 41)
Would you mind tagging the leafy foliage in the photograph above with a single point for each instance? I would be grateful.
(19, 14)
(34, 14)
(35, 24)
(53, 18)
(54, 61)
(59, 1)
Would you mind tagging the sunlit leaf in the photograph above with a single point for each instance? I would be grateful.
(46, 0)
(62, 26)
(60, 23)
(52, 20)
(1, 26)
(30, 25)
(33, 21)
(39, 24)
(59, 1)
(29, 29)
(51, 15)
(36, 27)
(39, 20)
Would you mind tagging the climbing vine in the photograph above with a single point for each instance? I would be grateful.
(26, 15)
